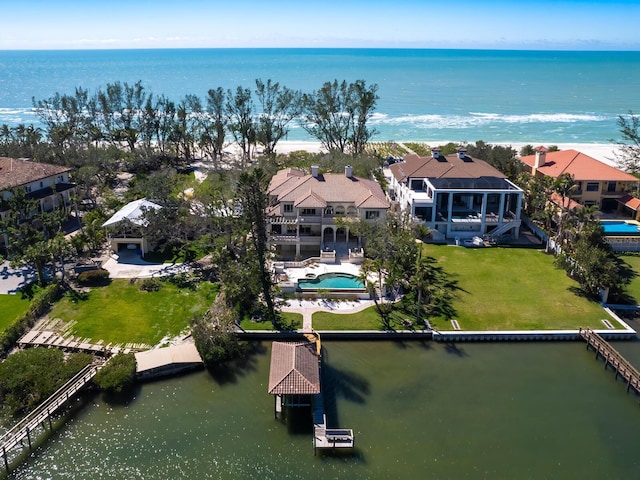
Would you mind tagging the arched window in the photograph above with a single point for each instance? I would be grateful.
(352, 211)
(328, 211)
(339, 210)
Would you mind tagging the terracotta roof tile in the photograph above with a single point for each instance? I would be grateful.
(329, 187)
(628, 201)
(580, 166)
(15, 172)
(294, 369)
(444, 167)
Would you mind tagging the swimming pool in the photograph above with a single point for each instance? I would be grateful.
(331, 281)
(621, 227)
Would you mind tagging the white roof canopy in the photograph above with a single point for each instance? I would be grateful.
(134, 212)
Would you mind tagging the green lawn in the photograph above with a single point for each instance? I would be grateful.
(499, 289)
(11, 307)
(633, 289)
(513, 289)
(122, 313)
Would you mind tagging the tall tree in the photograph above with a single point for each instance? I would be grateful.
(279, 107)
(628, 154)
(241, 121)
(252, 190)
(337, 115)
(212, 140)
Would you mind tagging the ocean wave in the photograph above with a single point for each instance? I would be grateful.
(478, 119)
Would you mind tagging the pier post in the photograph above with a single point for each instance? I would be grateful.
(28, 437)
(4, 456)
(49, 417)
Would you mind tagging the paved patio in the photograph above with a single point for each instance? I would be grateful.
(129, 264)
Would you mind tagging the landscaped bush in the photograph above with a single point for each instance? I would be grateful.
(93, 278)
(118, 374)
(151, 285)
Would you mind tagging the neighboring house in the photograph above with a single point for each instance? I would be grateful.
(46, 184)
(456, 195)
(304, 208)
(125, 229)
(596, 183)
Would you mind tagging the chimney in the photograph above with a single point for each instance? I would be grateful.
(541, 157)
(314, 171)
(462, 153)
(348, 171)
(435, 153)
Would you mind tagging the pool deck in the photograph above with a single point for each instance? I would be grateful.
(299, 273)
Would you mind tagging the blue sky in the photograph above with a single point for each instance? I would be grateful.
(519, 24)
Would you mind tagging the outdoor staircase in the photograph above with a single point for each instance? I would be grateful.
(504, 228)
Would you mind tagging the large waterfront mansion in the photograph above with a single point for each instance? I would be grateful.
(304, 209)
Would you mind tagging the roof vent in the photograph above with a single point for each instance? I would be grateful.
(314, 171)
(348, 171)
(435, 153)
(462, 153)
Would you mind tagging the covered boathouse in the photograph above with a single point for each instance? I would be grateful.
(294, 380)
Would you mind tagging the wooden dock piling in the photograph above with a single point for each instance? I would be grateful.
(612, 358)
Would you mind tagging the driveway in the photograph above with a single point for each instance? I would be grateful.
(128, 264)
(13, 279)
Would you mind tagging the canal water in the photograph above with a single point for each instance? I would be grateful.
(418, 410)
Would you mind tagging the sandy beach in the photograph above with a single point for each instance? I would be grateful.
(605, 152)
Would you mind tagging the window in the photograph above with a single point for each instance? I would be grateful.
(611, 187)
(60, 179)
(328, 211)
(352, 211)
(27, 188)
(340, 210)
(287, 208)
(593, 186)
(308, 211)
(41, 184)
(372, 214)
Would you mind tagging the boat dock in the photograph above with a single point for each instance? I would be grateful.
(612, 358)
(294, 380)
(41, 415)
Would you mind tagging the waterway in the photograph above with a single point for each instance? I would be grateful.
(418, 410)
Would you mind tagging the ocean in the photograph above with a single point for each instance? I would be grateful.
(458, 95)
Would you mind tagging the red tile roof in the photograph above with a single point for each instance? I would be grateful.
(294, 369)
(580, 166)
(291, 186)
(628, 201)
(15, 172)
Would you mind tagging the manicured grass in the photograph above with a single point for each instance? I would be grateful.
(633, 289)
(499, 289)
(11, 307)
(122, 313)
(513, 289)
(367, 319)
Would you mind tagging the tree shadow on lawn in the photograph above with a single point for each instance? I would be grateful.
(232, 371)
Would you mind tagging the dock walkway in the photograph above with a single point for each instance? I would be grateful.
(612, 358)
(47, 338)
(17, 434)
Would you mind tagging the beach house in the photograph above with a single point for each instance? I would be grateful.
(456, 196)
(304, 209)
(596, 183)
(126, 228)
(46, 185)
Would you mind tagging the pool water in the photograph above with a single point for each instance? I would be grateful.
(331, 281)
(628, 228)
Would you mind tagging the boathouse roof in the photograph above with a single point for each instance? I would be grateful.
(294, 369)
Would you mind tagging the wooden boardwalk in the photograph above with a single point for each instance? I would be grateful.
(22, 430)
(49, 338)
(612, 358)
